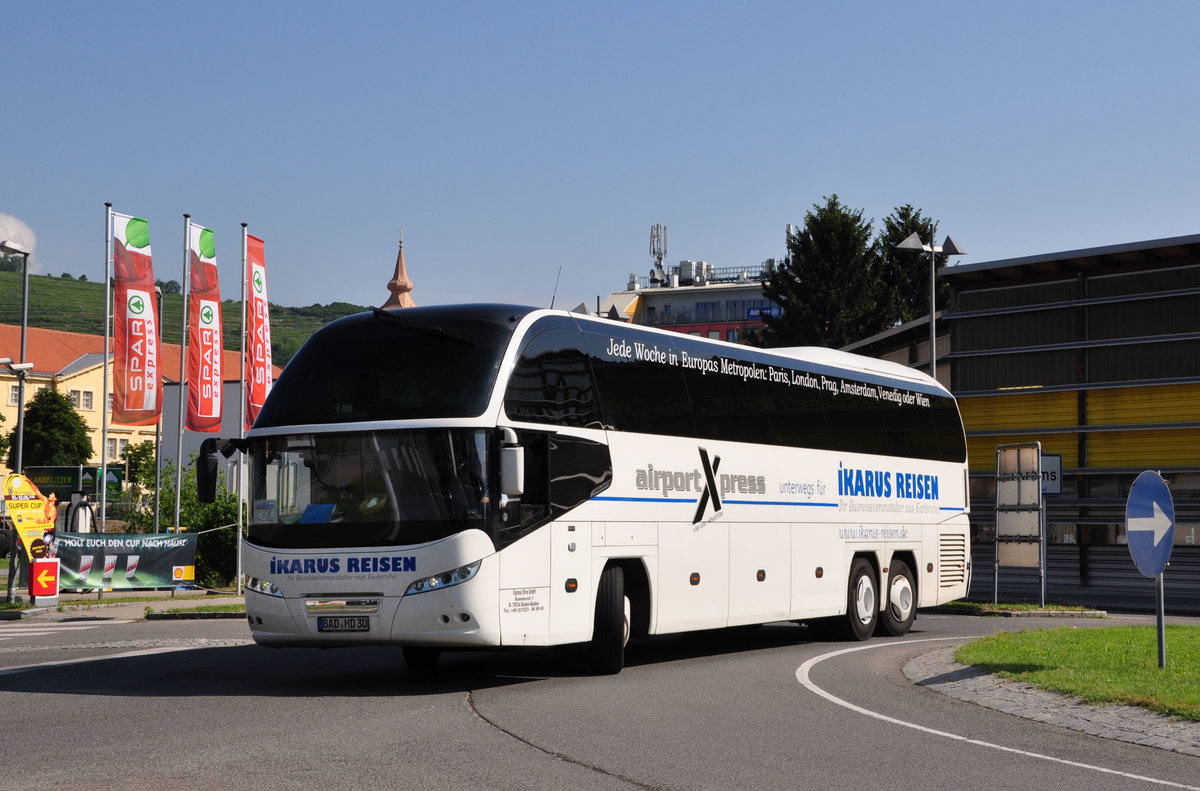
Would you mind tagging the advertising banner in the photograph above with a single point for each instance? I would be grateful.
(137, 394)
(125, 561)
(63, 481)
(32, 515)
(258, 330)
(204, 335)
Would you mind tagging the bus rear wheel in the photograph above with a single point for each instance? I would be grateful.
(862, 601)
(897, 618)
(610, 631)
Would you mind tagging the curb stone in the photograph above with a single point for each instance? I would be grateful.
(938, 671)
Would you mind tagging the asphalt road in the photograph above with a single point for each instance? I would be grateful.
(101, 701)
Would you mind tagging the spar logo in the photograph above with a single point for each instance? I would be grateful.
(137, 305)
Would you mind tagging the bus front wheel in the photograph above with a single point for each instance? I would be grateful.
(897, 618)
(610, 630)
(862, 601)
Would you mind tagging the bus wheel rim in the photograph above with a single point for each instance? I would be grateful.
(900, 598)
(864, 599)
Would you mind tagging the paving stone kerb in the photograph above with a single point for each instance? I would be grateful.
(937, 670)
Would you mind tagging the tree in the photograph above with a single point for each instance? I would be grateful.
(139, 481)
(215, 522)
(905, 273)
(829, 285)
(139, 459)
(4, 443)
(169, 287)
(55, 434)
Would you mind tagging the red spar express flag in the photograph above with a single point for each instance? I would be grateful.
(204, 373)
(137, 396)
(258, 330)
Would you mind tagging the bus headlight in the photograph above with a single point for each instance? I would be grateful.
(264, 587)
(447, 579)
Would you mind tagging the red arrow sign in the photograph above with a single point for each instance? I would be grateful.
(43, 577)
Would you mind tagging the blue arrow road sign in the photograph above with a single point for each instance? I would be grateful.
(1150, 523)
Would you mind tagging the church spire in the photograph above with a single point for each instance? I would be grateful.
(400, 285)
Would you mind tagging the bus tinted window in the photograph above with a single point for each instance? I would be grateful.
(392, 365)
(908, 432)
(724, 406)
(552, 382)
(855, 424)
(639, 390)
(797, 417)
(952, 442)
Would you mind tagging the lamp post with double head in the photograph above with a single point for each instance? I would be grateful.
(10, 247)
(913, 242)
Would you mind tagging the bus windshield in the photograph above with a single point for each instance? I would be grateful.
(374, 488)
(411, 364)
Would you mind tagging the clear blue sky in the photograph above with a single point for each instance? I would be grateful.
(512, 139)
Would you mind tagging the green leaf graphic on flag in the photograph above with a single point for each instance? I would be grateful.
(137, 233)
(207, 315)
(208, 248)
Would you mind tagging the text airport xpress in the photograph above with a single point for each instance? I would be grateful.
(353, 565)
(882, 483)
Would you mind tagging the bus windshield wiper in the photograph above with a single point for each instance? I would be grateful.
(428, 332)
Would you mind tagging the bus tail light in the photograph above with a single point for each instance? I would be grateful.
(446, 579)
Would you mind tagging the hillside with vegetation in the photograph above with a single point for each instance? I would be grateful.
(65, 303)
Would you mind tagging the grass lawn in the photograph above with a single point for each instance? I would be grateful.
(1106, 665)
(241, 608)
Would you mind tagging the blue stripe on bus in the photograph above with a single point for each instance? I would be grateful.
(642, 500)
(728, 502)
(776, 502)
(954, 509)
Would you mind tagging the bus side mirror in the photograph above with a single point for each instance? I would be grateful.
(206, 471)
(512, 465)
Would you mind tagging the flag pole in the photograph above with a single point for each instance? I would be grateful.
(187, 249)
(108, 251)
(241, 410)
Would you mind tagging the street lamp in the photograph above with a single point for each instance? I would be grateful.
(913, 242)
(9, 247)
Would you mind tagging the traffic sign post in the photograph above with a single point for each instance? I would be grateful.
(43, 580)
(1150, 529)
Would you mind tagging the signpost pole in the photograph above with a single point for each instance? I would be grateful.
(1162, 635)
(1150, 530)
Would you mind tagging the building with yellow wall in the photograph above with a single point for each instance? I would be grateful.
(71, 363)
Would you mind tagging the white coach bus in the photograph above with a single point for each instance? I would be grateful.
(489, 475)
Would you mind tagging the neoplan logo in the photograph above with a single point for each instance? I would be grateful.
(710, 487)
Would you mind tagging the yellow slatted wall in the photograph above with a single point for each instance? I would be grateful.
(1167, 404)
(1106, 407)
(1147, 449)
(1020, 409)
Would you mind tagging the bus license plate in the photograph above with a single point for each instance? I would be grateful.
(343, 623)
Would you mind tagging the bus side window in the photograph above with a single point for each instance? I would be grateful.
(552, 382)
(522, 514)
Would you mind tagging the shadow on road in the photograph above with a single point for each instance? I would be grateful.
(251, 670)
